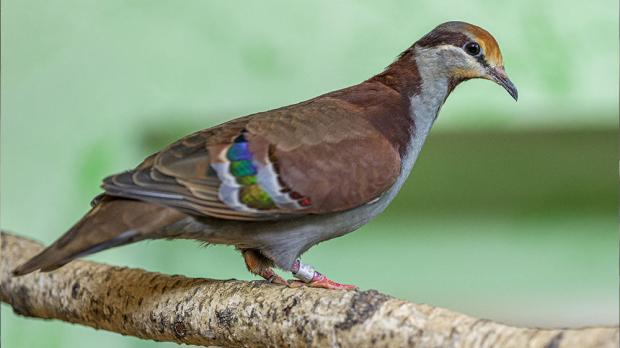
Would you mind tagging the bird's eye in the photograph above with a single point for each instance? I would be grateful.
(472, 48)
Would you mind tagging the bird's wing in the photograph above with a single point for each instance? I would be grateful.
(311, 158)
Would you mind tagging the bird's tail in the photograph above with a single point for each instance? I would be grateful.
(111, 222)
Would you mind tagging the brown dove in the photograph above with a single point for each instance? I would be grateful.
(275, 183)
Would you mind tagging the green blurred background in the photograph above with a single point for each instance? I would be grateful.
(510, 213)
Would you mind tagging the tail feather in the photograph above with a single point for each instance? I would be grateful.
(110, 223)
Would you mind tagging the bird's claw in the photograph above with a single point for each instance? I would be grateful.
(276, 279)
(310, 277)
(324, 283)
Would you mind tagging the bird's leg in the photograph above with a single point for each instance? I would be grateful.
(261, 266)
(312, 278)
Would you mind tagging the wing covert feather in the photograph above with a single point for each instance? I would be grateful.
(315, 157)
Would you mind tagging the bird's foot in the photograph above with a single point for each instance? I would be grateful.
(309, 277)
(272, 277)
(324, 283)
(259, 265)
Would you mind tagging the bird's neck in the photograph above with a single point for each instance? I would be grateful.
(424, 88)
(419, 76)
(426, 101)
(402, 75)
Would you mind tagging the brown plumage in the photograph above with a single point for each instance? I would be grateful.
(112, 222)
(276, 183)
(313, 144)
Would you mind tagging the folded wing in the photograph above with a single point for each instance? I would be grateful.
(317, 157)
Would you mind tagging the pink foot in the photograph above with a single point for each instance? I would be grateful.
(324, 283)
(314, 279)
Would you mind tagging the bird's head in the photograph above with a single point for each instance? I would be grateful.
(462, 51)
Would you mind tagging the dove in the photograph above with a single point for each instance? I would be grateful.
(273, 184)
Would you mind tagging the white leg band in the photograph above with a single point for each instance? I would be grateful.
(304, 273)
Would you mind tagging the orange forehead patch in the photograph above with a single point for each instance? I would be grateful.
(488, 44)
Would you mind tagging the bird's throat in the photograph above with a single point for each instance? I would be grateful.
(425, 104)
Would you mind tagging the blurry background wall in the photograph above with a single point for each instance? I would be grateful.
(510, 213)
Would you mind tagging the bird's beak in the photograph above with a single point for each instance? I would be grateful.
(498, 75)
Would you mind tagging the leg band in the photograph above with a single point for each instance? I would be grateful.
(302, 271)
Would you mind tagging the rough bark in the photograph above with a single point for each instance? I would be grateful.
(252, 314)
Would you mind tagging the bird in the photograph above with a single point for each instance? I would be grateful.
(275, 183)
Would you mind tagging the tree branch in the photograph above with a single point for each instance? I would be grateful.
(252, 314)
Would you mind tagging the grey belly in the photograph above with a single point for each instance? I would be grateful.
(282, 241)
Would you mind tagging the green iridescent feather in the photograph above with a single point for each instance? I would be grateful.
(242, 168)
(244, 171)
(254, 197)
(247, 180)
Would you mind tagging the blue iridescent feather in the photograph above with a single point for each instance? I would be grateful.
(239, 152)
